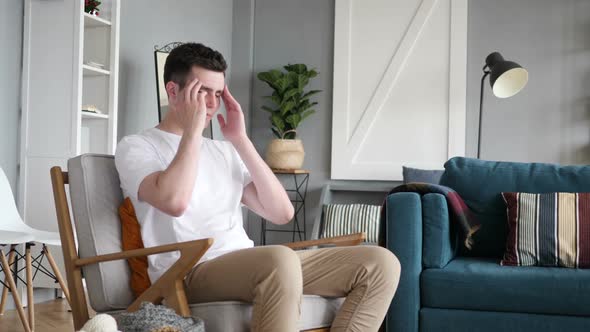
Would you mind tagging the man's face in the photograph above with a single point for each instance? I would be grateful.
(212, 84)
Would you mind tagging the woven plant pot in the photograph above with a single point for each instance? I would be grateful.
(285, 154)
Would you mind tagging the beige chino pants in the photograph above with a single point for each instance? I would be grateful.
(273, 279)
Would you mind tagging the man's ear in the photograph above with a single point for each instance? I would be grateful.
(172, 89)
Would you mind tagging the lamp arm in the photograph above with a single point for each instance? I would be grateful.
(485, 74)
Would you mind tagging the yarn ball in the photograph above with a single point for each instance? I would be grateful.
(101, 323)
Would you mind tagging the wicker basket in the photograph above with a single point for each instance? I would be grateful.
(285, 154)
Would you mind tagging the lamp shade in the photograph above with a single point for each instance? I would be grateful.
(507, 78)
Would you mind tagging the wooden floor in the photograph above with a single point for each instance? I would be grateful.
(52, 316)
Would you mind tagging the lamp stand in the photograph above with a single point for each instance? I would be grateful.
(485, 74)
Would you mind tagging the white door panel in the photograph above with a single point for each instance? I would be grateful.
(399, 86)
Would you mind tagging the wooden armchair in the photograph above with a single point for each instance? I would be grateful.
(96, 195)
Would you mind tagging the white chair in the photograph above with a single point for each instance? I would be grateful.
(11, 221)
(13, 239)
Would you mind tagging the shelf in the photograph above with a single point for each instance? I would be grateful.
(91, 21)
(93, 71)
(88, 115)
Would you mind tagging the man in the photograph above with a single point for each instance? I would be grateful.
(184, 187)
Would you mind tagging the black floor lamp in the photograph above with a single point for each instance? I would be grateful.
(507, 78)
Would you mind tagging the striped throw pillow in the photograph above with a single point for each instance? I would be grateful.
(344, 219)
(550, 229)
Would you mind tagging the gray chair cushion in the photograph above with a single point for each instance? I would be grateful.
(96, 194)
(234, 316)
(421, 175)
(231, 316)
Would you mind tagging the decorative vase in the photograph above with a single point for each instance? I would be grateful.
(285, 154)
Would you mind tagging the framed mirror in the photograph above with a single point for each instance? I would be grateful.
(160, 55)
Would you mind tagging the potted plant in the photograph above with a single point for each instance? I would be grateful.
(91, 7)
(290, 105)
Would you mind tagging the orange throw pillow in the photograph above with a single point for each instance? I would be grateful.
(131, 239)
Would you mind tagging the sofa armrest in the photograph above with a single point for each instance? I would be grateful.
(440, 245)
(403, 236)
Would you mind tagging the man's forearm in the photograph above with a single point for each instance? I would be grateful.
(177, 182)
(271, 193)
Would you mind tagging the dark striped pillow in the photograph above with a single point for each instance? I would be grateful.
(344, 219)
(550, 229)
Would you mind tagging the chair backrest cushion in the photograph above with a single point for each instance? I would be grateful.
(96, 195)
(481, 183)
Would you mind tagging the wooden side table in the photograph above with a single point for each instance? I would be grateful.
(297, 193)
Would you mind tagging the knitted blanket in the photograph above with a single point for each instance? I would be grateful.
(460, 213)
(157, 318)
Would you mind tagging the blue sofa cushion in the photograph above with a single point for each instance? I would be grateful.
(482, 284)
(480, 184)
(491, 321)
(438, 247)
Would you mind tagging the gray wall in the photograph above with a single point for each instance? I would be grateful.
(147, 23)
(295, 32)
(243, 55)
(11, 34)
(549, 121)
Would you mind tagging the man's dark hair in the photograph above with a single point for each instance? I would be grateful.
(182, 58)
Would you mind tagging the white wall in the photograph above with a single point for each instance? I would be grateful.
(11, 31)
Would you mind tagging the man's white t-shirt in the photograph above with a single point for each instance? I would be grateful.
(214, 210)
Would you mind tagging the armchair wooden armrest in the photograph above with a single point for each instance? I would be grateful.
(344, 240)
(170, 285)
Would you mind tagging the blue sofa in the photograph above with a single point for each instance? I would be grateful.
(444, 287)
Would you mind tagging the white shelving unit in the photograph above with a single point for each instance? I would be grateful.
(60, 44)
(94, 71)
(88, 115)
(92, 21)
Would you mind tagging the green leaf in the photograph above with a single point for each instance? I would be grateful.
(294, 120)
(303, 105)
(293, 77)
(271, 78)
(312, 73)
(308, 106)
(283, 84)
(306, 114)
(299, 68)
(275, 132)
(290, 93)
(276, 98)
(286, 107)
(310, 93)
(278, 122)
(302, 81)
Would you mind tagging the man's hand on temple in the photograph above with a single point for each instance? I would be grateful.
(191, 108)
(233, 126)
